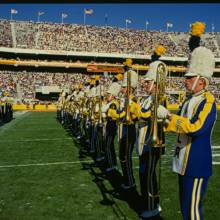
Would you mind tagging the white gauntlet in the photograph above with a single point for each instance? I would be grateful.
(162, 112)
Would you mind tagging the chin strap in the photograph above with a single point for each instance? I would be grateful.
(151, 86)
(206, 82)
(195, 84)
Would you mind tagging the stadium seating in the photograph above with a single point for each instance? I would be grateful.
(90, 38)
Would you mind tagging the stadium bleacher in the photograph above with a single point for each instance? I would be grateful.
(46, 36)
(74, 37)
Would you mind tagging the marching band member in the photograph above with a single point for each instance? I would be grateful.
(128, 131)
(98, 123)
(193, 124)
(79, 99)
(111, 126)
(91, 97)
(148, 154)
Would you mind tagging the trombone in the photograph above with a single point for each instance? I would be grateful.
(156, 131)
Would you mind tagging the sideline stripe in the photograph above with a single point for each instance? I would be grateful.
(44, 164)
(33, 140)
(63, 163)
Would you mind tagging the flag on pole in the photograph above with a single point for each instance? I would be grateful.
(128, 21)
(88, 11)
(64, 15)
(169, 25)
(40, 13)
(13, 11)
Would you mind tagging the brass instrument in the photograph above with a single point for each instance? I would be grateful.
(128, 117)
(100, 105)
(92, 108)
(156, 131)
(127, 111)
(159, 99)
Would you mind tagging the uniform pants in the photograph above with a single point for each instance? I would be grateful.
(148, 182)
(111, 129)
(99, 140)
(191, 193)
(125, 153)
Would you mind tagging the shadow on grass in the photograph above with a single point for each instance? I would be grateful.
(131, 196)
(100, 177)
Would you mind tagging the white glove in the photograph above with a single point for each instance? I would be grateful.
(162, 112)
(105, 107)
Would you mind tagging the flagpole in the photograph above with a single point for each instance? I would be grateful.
(213, 28)
(84, 17)
(146, 23)
(126, 24)
(37, 34)
(11, 16)
(62, 18)
(106, 20)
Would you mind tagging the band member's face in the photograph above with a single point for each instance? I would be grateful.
(189, 81)
(149, 86)
(109, 97)
(123, 90)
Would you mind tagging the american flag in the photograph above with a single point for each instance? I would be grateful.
(88, 11)
(13, 11)
(40, 13)
(64, 15)
(169, 25)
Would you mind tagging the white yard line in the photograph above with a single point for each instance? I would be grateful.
(216, 147)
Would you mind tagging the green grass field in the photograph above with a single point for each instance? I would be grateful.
(43, 178)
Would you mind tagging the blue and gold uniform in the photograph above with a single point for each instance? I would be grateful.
(111, 125)
(192, 159)
(148, 159)
(149, 155)
(127, 130)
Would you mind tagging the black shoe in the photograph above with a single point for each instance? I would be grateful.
(156, 217)
(127, 187)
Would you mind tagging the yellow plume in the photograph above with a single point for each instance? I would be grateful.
(80, 86)
(128, 62)
(97, 77)
(92, 82)
(197, 29)
(160, 50)
(89, 80)
(119, 76)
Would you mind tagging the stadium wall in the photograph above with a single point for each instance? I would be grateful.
(53, 107)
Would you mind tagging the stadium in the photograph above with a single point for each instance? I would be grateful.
(44, 174)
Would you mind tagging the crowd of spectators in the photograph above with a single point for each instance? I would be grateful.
(91, 38)
(24, 84)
